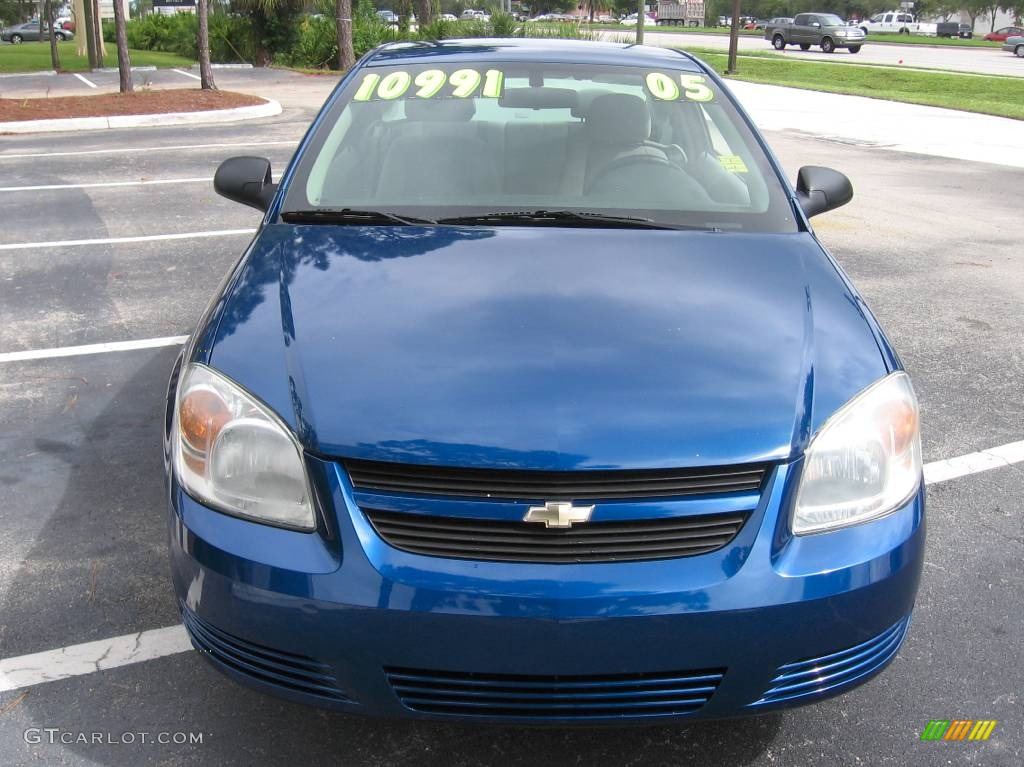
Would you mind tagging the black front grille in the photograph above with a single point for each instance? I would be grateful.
(667, 693)
(295, 673)
(415, 479)
(506, 541)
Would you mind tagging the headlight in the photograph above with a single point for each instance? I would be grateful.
(840, 33)
(232, 453)
(864, 462)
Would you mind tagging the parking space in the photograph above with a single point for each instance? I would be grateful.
(930, 242)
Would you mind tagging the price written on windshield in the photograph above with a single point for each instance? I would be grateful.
(431, 83)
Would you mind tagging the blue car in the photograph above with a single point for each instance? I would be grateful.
(536, 399)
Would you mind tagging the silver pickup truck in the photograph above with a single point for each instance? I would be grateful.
(824, 29)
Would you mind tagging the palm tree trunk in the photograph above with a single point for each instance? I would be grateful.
(97, 32)
(425, 12)
(124, 62)
(346, 56)
(205, 70)
(54, 54)
(90, 32)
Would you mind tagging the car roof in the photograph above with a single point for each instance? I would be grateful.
(532, 49)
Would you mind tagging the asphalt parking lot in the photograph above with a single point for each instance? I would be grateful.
(932, 243)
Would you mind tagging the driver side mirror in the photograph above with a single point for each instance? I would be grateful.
(816, 24)
(822, 189)
(245, 180)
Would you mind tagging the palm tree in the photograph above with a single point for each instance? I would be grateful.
(54, 54)
(205, 70)
(260, 11)
(424, 12)
(346, 56)
(124, 63)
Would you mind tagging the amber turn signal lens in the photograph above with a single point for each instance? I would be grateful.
(201, 416)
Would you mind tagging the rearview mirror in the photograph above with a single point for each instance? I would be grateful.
(245, 180)
(821, 189)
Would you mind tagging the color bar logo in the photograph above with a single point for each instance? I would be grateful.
(958, 729)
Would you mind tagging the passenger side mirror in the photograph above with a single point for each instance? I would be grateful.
(245, 180)
(822, 189)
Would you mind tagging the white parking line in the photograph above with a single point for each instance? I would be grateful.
(187, 74)
(90, 83)
(90, 657)
(140, 182)
(124, 150)
(78, 351)
(973, 463)
(117, 240)
(64, 662)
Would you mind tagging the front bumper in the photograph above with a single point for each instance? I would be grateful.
(849, 42)
(340, 619)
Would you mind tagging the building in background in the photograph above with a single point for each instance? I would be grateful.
(170, 7)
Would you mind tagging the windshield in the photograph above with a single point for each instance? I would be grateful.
(441, 141)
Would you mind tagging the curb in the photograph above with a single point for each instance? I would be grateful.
(43, 72)
(269, 109)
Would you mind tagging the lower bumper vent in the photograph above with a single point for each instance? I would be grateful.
(668, 693)
(294, 673)
(828, 674)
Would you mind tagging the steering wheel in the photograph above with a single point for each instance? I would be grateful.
(628, 161)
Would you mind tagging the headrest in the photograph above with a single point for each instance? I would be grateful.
(618, 118)
(440, 110)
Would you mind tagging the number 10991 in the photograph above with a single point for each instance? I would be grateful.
(462, 83)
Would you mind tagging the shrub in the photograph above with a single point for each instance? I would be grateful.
(230, 36)
(316, 45)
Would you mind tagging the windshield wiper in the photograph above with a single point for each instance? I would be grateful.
(556, 217)
(350, 216)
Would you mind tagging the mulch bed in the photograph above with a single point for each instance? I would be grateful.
(148, 102)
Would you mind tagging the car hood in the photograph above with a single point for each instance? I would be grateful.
(544, 348)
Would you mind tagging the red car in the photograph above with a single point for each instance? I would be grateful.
(1000, 35)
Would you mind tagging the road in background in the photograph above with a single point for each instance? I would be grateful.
(978, 60)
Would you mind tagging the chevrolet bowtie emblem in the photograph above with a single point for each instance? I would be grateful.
(558, 514)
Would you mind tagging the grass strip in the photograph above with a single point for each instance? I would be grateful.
(35, 57)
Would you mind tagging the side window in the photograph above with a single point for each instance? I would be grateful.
(801, 19)
(888, 18)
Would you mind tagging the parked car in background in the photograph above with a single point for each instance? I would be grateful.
(388, 17)
(823, 29)
(65, 22)
(1000, 35)
(449, 17)
(1015, 44)
(30, 32)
